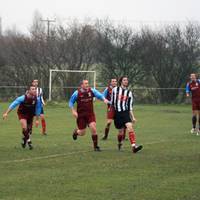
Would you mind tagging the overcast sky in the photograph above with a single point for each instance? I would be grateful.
(20, 12)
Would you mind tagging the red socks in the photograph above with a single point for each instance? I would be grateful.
(132, 137)
(120, 138)
(43, 126)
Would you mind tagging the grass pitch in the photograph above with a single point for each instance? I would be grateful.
(168, 168)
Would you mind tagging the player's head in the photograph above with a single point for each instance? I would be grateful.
(32, 90)
(35, 82)
(84, 84)
(113, 82)
(123, 81)
(193, 77)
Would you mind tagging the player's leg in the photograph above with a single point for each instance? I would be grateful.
(194, 115)
(110, 117)
(92, 126)
(81, 130)
(25, 135)
(194, 120)
(107, 129)
(120, 137)
(119, 124)
(43, 122)
(29, 130)
(124, 134)
(132, 137)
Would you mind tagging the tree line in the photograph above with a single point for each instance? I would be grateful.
(157, 58)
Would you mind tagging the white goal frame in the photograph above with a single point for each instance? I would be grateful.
(71, 71)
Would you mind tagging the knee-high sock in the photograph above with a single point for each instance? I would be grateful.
(132, 138)
(43, 125)
(194, 121)
(120, 138)
(95, 140)
(107, 130)
(124, 134)
(25, 133)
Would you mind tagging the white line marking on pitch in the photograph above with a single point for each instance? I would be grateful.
(64, 154)
(44, 157)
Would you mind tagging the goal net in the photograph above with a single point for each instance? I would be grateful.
(62, 83)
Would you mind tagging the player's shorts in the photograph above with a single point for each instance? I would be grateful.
(110, 113)
(42, 111)
(195, 104)
(85, 120)
(121, 118)
(29, 118)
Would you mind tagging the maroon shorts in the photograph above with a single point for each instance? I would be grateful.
(195, 104)
(85, 120)
(29, 118)
(110, 113)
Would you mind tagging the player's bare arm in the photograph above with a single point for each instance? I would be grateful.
(132, 117)
(5, 115)
(74, 113)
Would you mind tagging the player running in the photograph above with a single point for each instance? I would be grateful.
(122, 101)
(40, 99)
(110, 110)
(193, 88)
(28, 108)
(84, 113)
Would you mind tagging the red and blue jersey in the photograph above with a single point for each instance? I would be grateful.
(28, 105)
(84, 99)
(193, 87)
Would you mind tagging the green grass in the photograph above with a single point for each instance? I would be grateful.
(59, 168)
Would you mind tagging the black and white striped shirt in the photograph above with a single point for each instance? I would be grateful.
(122, 99)
(39, 93)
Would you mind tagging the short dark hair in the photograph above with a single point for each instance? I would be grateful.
(29, 86)
(81, 82)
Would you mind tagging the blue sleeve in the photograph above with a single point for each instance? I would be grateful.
(73, 99)
(187, 89)
(38, 108)
(98, 94)
(105, 92)
(16, 102)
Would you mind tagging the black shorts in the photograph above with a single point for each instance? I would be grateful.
(42, 111)
(121, 118)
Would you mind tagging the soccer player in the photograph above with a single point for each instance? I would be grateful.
(84, 113)
(193, 87)
(42, 104)
(122, 101)
(110, 110)
(28, 108)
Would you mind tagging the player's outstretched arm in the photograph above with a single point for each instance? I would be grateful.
(100, 96)
(13, 105)
(5, 115)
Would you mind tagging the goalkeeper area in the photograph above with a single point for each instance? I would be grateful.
(60, 168)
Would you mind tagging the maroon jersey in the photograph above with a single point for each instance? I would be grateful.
(85, 102)
(28, 106)
(194, 87)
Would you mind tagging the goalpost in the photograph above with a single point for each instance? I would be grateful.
(68, 71)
